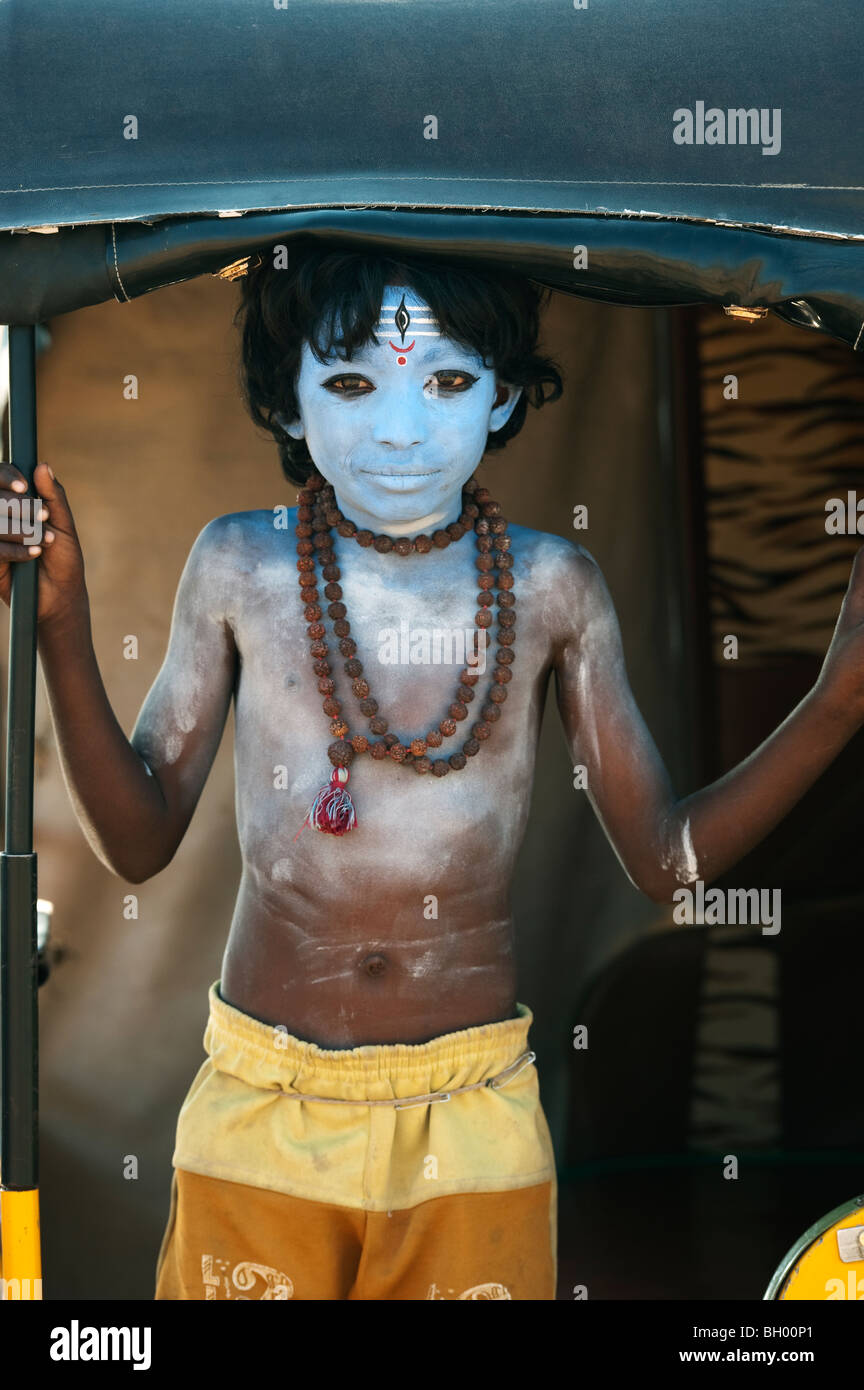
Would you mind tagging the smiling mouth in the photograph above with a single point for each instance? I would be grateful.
(400, 473)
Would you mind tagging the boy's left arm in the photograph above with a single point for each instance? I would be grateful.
(661, 840)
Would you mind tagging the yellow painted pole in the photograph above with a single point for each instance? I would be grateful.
(22, 1258)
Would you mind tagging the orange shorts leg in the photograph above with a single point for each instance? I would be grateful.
(229, 1240)
(474, 1245)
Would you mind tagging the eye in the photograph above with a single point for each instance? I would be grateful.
(348, 385)
(450, 385)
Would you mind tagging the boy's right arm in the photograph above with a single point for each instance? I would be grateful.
(134, 797)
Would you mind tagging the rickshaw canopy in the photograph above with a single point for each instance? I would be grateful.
(651, 153)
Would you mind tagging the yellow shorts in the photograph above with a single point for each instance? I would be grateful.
(277, 1195)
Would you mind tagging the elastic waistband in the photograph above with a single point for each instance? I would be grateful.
(271, 1058)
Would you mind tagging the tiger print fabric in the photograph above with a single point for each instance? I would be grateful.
(792, 439)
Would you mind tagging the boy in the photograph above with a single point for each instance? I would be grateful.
(367, 1122)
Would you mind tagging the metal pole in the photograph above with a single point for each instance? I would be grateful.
(19, 1019)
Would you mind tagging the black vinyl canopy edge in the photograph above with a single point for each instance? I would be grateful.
(814, 282)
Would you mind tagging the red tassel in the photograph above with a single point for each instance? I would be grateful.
(332, 811)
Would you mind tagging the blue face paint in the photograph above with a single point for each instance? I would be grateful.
(401, 426)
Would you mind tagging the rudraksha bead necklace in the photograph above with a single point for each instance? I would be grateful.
(332, 811)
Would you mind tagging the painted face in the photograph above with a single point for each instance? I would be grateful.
(401, 426)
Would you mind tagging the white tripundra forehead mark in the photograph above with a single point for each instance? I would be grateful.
(404, 317)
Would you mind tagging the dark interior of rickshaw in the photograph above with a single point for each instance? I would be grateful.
(751, 1053)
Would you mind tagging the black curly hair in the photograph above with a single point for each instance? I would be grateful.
(497, 314)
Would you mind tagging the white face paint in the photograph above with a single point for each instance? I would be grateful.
(400, 427)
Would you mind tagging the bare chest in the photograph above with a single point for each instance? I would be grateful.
(415, 634)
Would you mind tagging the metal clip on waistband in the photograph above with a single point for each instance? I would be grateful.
(494, 1082)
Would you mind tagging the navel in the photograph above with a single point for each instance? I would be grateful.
(374, 964)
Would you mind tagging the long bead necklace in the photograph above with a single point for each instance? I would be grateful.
(332, 811)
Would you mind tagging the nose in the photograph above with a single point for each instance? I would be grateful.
(398, 421)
